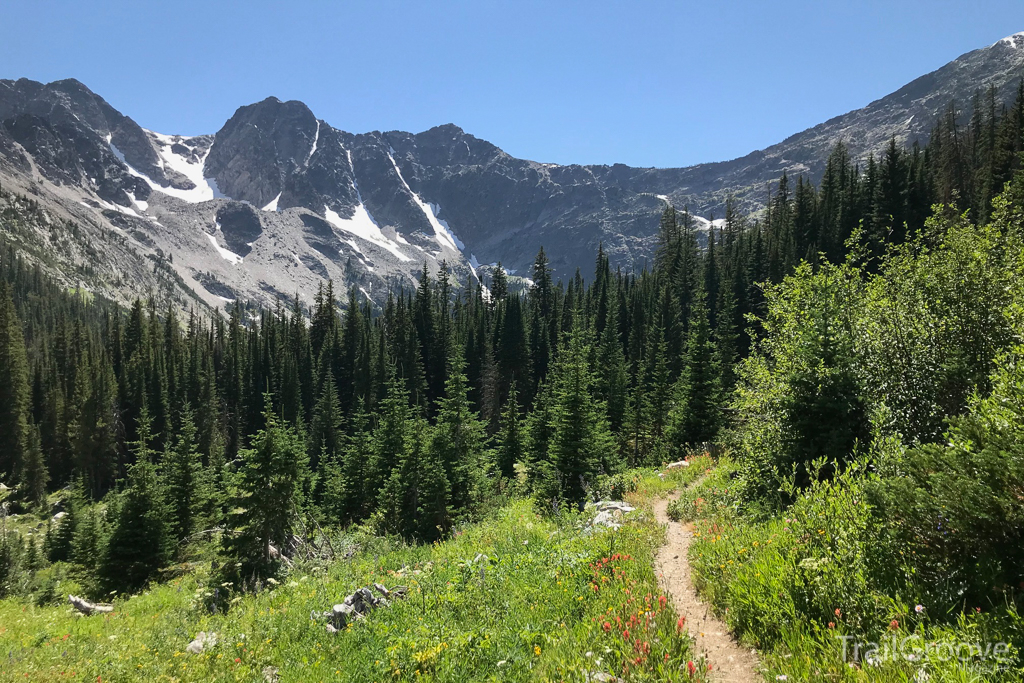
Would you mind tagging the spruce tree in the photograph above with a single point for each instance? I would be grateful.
(14, 391)
(510, 437)
(581, 444)
(269, 487)
(695, 416)
(140, 539)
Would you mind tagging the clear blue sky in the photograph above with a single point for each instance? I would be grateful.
(655, 83)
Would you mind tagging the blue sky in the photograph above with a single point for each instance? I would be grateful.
(647, 83)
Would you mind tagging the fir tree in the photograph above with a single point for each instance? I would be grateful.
(184, 480)
(511, 448)
(696, 412)
(581, 444)
(268, 496)
(14, 390)
(140, 538)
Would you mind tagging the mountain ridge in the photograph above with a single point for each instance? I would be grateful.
(370, 209)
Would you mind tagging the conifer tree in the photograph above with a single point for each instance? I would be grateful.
(140, 538)
(14, 391)
(511, 448)
(695, 416)
(60, 536)
(269, 488)
(459, 438)
(581, 444)
(184, 480)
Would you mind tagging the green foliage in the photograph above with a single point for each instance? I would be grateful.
(184, 480)
(516, 596)
(266, 502)
(14, 391)
(801, 394)
(955, 509)
(139, 544)
(580, 445)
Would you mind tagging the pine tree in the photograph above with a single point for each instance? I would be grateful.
(511, 448)
(184, 479)
(14, 390)
(581, 444)
(140, 538)
(269, 488)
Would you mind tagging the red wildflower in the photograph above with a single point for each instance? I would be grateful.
(237, 660)
(691, 667)
(839, 612)
(894, 624)
(831, 624)
(680, 623)
(607, 627)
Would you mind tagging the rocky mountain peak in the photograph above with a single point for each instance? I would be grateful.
(259, 146)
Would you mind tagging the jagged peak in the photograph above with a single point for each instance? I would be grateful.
(446, 129)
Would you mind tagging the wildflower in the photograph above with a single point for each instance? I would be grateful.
(782, 677)
(839, 612)
(691, 667)
(894, 624)
(607, 627)
(919, 609)
(680, 623)
(536, 650)
(237, 660)
(831, 624)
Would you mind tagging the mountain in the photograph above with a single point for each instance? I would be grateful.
(278, 200)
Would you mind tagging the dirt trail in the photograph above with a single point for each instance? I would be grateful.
(731, 663)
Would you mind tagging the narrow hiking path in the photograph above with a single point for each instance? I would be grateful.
(731, 663)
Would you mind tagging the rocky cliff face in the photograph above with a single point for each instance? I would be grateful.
(278, 200)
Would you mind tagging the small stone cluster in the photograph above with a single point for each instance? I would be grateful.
(609, 513)
(358, 605)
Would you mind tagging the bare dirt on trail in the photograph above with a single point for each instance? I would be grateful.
(731, 662)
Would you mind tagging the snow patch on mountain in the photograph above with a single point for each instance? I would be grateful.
(229, 256)
(272, 205)
(143, 205)
(204, 189)
(442, 231)
(316, 139)
(704, 224)
(362, 225)
(1014, 41)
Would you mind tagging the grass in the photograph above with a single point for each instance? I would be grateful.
(798, 585)
(516, 597)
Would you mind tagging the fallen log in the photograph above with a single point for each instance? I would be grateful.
(87, 608)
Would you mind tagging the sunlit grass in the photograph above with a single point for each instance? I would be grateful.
(517, 597)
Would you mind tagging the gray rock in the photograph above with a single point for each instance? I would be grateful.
(203, 641)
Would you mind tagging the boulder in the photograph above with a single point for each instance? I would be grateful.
(202, 641)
